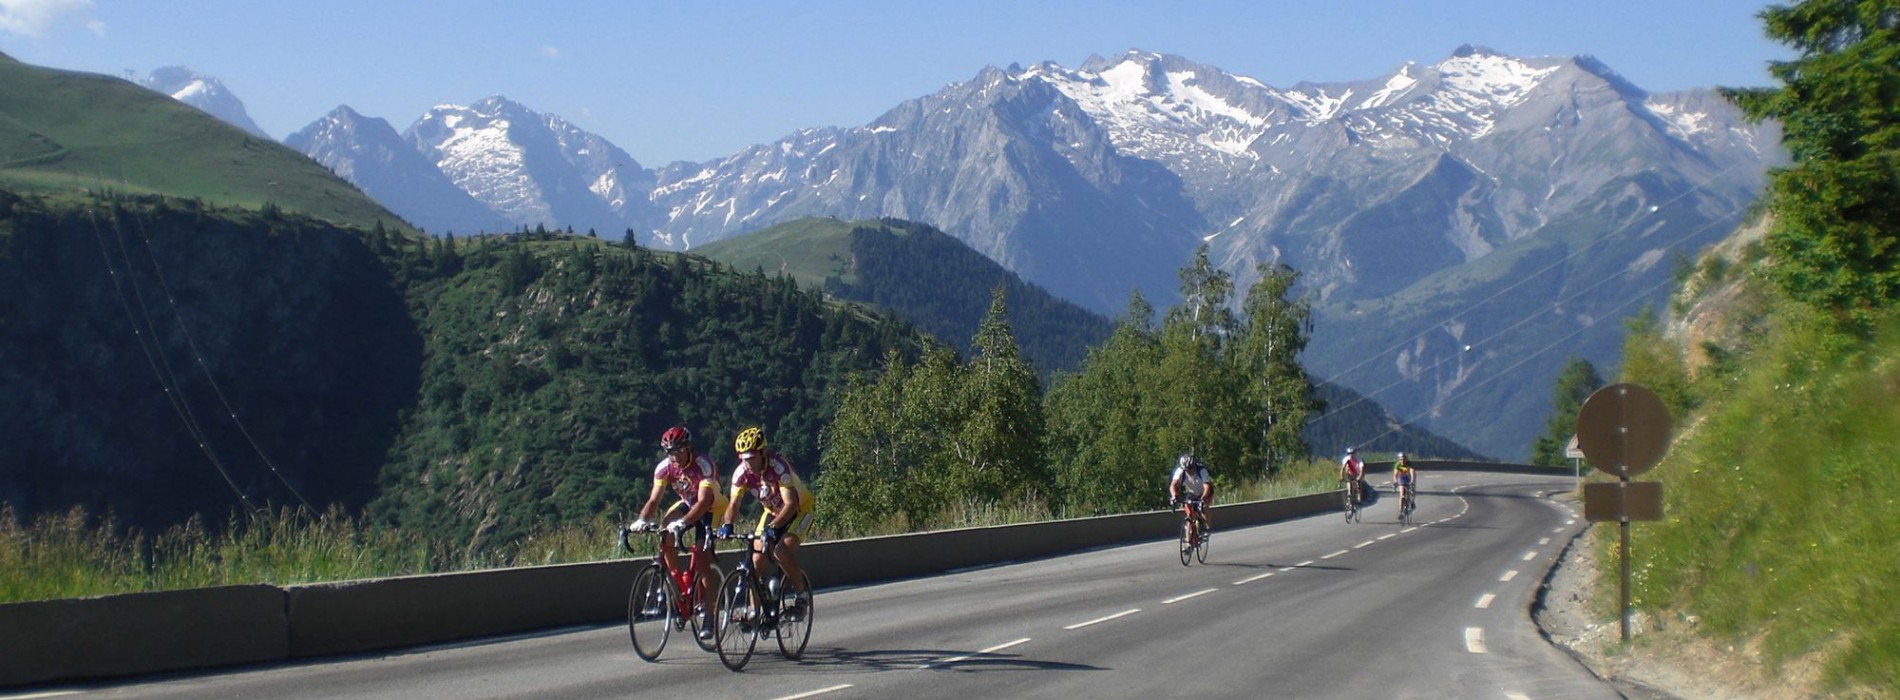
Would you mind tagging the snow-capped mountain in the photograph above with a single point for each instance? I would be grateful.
(534, 168)
(368, 152)
(1482, 199)
(204, 92)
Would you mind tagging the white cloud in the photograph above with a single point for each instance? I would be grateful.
(36, 17)
(550, 52)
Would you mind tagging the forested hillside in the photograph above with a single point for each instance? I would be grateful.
(163, 358)
(923, 275)
(551, 364)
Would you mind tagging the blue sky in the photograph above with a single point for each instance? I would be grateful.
(699, 80)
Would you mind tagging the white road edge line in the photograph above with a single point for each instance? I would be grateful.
(1124, 613)
(1303, 564)
(980, 652)
(1508, 575)
(47, 694)
(1178, 599)
(1363, 545)
(820, 691)
(1388, 535)
(1251, 579)
(1474, 640)
(1334, 554)
(1409, 529)
(1484, 601)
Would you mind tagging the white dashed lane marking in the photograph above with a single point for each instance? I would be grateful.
(1474, 640)
(1178, 599)
(1334, 554)
(814, 693)
(1484, 601)
(1530, 555)
(980, 652)
(1099, 620)
(1256, 577)
(1508, 575)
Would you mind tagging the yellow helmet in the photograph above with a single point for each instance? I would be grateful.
(749, 439)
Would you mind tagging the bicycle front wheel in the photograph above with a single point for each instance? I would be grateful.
(650, 613)
(794, 617)
(740, 612)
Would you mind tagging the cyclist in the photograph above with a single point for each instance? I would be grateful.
(1353, 472)
(1405, 478)
(1191, 475)
(695, 479)
(766, 474)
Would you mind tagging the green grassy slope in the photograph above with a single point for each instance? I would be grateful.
(68, 133)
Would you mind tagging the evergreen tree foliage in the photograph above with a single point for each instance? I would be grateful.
(1575, 383)
(1836, 241)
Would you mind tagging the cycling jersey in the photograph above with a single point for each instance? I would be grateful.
(765, 483)
(1192, 478)
(1354, 468)
(687, 478)
(1402, 475)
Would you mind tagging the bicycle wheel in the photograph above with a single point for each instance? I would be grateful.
(1187, 542)
(794, 617)
(705, 606)
(650, 613)
(1351, 508)
(739, 617)
(1200, 550)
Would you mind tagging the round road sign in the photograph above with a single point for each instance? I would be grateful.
(1623, 429)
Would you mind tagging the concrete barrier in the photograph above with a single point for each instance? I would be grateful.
(175, 630)
(137, 633)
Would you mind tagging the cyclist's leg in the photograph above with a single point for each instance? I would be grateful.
(668, 547)
(787, 551)
(702, 540)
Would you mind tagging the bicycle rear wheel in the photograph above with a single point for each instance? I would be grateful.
(705, 607)
(1200, 550)
(1187, 541)
(1352, 508)
(650, 613)
(740, 612)
(794, 617)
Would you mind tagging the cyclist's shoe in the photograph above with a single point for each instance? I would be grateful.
(705, 634)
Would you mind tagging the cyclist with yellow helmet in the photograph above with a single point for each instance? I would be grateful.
(766, 474)
(1405, 478)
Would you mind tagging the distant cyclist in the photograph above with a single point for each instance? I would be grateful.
(1191, 476)
(695, 479)
(1405, 478)
(766, 474)
(1353, 472)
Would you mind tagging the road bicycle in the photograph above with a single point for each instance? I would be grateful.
(751, 607)
(666, 599)
(1351, 495)
(1406, 504)
(1193, 544)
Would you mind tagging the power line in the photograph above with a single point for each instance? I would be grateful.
(155, 355)
(172, 299)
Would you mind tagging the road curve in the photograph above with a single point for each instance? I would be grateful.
(1313, 607)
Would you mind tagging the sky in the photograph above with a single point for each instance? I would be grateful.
(695, 81)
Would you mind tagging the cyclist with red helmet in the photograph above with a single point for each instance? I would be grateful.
(766, 474)
(695, 479)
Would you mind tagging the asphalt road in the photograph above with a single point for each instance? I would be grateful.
(1313, 607)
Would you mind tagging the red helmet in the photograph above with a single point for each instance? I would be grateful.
(675, 437)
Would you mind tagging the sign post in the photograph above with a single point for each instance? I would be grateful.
(1623, 429)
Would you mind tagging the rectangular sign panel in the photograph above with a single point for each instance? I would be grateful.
(1622, 501)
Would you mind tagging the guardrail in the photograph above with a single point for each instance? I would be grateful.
(176, 630)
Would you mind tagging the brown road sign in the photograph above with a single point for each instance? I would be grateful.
(1623, 429)
(1622, 501)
